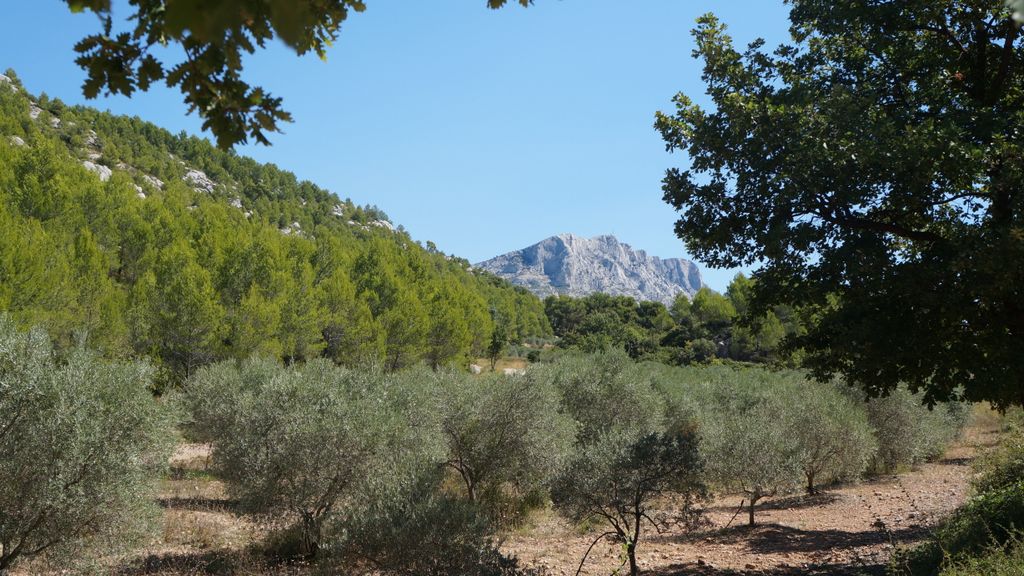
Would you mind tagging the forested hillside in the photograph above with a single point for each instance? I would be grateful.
(141, 242)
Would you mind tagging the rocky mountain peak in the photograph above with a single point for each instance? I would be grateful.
(577, 266)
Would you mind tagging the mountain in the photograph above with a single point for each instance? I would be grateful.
(147, 243)
(577, 266)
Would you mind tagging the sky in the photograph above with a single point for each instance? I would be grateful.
(482, 131)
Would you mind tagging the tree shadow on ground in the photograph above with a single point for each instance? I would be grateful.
(966, 461)
(773, 538)
(694, 569)
(796, 502)
(198, 504)
(800, 501)
(212, 563)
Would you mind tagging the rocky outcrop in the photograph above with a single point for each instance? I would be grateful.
(577, 266)
(100, 170)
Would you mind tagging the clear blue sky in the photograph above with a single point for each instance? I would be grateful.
(484, 131)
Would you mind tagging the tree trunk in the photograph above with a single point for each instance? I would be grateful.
(310, 543)
(753, 501)
(810, 483)
(631, 554)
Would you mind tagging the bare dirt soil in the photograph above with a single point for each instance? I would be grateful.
(844, 530)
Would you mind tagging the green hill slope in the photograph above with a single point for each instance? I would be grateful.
(147, 243)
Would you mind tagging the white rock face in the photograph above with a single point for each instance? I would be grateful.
(475, 369)
(100, 170)
(577, 266)
(153, 181)
(235, 203)
(338, 211)
(383, 224)
(513, 371)
(17, 141)
(34, 111)
(199, 180)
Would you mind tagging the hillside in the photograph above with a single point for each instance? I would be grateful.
(575, 266)
(141, 242)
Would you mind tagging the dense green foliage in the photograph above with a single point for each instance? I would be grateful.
(712, 326)
(82, 442)
(214, 42)
(253, 262)
(871, 169)
(1001, 561)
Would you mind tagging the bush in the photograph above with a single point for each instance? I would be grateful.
(504, 431)
(750, 446)
(605, 391)
(309, 440)
(999, 561)
(908, 432)
(422, 533)
(834, 440)
(616, 477)
(81, 443)
(1003, 466)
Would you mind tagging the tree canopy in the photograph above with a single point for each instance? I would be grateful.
(214, 38)
(872, 169)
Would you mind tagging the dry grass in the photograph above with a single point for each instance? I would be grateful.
(507, 362)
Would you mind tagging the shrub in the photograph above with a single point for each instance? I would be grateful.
(1001, 467)
(908, 432)
(504, 430)
(81, 443)
(999, 561)
(604, 391)
(833, 437)
(308, 440)
(616, 477)
(750, 446)
(423, 532)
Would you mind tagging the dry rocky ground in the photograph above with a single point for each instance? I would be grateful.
(845, 530)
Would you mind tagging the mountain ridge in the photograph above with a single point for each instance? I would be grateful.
(576, 266)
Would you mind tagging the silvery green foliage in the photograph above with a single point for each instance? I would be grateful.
(504, 431)
(616, 477)
(603, 391)
(81, 444)
(835, 440)
(909, 432)
(750, 446)
(311, 440)
(421, 531)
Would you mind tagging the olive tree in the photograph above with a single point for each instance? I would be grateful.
(750, 446)
(504, 430)
(834, 440)
(603, 391)
(308, 440)
(617, 476)
(909, 432)
(82, 442)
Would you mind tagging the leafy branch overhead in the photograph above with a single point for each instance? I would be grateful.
(872, 169)
(214, 37)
